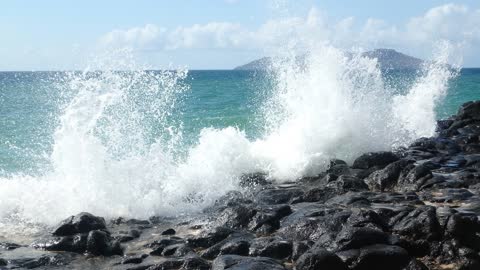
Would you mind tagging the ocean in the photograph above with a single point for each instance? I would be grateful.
(143, 143)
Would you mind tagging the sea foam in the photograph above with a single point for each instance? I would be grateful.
(332, 105)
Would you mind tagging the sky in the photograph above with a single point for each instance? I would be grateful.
(222, 34)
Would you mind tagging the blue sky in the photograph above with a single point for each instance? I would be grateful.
(220, 34)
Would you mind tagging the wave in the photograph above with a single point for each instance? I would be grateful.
(104, 160)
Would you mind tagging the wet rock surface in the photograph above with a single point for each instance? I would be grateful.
(412, 209)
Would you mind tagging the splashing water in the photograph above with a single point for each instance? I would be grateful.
(106, 162)
(415, 111)
(334, 104)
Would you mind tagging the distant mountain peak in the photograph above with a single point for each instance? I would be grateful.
(259, 64)
(387, 59)
(391, 59)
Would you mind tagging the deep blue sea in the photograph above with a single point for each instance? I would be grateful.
(139, 143)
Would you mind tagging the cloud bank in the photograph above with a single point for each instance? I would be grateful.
(452, 22)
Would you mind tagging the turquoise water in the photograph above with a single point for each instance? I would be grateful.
(464, 88)
(142, 143)
(31, 103)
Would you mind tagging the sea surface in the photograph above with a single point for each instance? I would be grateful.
(31, 102)
(142, 143)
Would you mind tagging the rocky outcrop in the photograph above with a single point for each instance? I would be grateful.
(413, 209)
(83, 233)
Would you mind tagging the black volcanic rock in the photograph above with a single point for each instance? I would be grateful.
(83, 233)
(81, 223)
(373, 159)
(469, 110)
(415, 208)
(319, 258)
(380, 257)
(421, 223)
(387, 178)
(271, 247)
(347, 183)
(100, 243)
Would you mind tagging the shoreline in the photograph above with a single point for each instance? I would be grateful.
(415, 208)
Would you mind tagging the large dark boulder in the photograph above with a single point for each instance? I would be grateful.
(413, 177)
(235, 244)
(236, 247)
(235, 217)
(369, 160)
(346, 183)
(278, 195)
(271, 247)
(464, 230)
(357, 237)
(267, 219)
(81, 223)
(387, 178)
(210, 237)
(381, 257)
(319, 259)
(96, 242)
(419, 224)
(322, 229)
(462, 226)
(366, 218)
(469, 110)
(100, 243)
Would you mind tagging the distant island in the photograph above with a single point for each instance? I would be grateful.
(387, 59)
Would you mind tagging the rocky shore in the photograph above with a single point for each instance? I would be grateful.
(412, 209)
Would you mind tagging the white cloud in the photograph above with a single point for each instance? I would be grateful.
(210, 35)
(456, 23)
(439, 22)
(452, 22)
(137, 37)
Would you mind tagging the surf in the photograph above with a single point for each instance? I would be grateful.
(118, 147)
